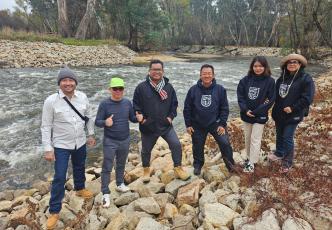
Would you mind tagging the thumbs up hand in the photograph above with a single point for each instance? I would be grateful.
(109, 121)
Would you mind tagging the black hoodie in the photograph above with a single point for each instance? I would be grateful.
(256, 93)
(206, 107)
(299, 97)
(147, 101)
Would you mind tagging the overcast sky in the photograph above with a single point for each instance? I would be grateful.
(7, 4)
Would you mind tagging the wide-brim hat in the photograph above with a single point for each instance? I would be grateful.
(297, 57)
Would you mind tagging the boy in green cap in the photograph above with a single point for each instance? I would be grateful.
(113, 115)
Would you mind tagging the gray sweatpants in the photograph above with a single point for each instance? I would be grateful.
(118, 150)
(148, 142)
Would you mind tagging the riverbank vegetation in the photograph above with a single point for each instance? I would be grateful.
(168, 24)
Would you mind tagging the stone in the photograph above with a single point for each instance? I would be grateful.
(167, 177)
(292, 223)
(267, 221)
(70, 184)
(18, 215)
(44, 203)
(162, 163)
(186, 209)
(6, 205)
(109, 213)
(174, 186)
(135, 173)
(42, 186)
(219, 215)
(7, 195)
(76, 203)
(4, 221)
(66, 215)
(89, 177)
(144, 191)
(93, 186)
(183, 222)
(170, 211)
(148, 205)
(126, 198)
(146, 223)
(189, 194)
(163, 198)
(213, 174)
(22, 227)
(206, 198)
(230, 201)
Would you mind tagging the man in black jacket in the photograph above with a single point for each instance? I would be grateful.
(156, 99)
(206, 111)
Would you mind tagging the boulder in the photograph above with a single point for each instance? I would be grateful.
(219, 215)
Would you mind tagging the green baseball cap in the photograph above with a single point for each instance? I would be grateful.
(116, 82)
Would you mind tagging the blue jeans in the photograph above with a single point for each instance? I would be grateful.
(198, 140)
(285, 143)
(78, 157)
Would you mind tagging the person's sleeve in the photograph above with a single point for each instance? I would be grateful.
(271, 95)
(224, 108)
(187, 110)
(137, 101)
(174, 105)
(100, 117)
(241, 98)
(132, 114)
(47, 125)
(307, 95)
(90, 124)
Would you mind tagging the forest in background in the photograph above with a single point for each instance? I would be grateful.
(167, 24)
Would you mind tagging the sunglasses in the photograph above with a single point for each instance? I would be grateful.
(117, 88)
(292, 62)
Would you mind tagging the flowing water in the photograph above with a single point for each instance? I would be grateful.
(23, 92)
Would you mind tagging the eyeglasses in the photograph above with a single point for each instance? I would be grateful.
(156, 70)
(292, 62)
(117, 88)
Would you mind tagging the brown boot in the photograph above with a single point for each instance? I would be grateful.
(51, 221)
(146, 174)
(84, 193)
(180, 173)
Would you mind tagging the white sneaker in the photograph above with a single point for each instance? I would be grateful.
(122, 188)
(106, 200)
(249, 167)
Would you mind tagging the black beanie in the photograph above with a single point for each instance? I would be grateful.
(65, 72)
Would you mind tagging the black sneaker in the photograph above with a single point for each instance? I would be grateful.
(197, 171)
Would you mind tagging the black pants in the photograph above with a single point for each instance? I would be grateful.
(198, 140)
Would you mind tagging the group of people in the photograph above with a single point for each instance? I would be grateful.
(67, 115)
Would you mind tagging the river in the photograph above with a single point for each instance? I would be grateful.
(23, 92)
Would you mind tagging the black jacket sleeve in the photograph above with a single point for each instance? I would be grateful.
(241, 96)
(223, 108)
(307, 95)
(187, 110)
(174, 105)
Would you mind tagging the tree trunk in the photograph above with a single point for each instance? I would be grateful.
(63, 19)
(274, 30)
(84, 24)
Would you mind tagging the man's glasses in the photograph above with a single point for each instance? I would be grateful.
(156, 70)
(117, 88)
(292, 62)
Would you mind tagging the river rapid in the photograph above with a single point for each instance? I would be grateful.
(23, 92)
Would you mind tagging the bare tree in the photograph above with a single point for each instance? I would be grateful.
(63, 18)
(90, 13)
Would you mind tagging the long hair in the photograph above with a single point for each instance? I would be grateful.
(262, 60)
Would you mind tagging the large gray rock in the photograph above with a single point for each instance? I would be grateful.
(7, 195)
(4, 221)
(146, 223)
(174, 186)
(268, 221)
(66, 215)
(163, 198)
(109, 213)
(6, 205)
(147, 204)
(207, 198)
(219, 215)
(296, 224)
(126, 198)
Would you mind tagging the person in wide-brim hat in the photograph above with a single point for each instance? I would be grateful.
(293, 56)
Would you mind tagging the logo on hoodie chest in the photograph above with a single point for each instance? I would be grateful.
(206, 100)
(253, 93)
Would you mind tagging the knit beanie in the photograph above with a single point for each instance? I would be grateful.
(65, 72)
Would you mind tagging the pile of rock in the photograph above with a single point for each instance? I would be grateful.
(17, 54)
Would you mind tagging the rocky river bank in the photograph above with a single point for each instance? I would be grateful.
(216, 200)
(18, 54)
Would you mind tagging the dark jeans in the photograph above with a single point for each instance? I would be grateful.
(285, 143)
(148, 141)
(198, 140)
(118, 150)
(78, 157)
